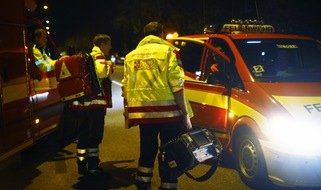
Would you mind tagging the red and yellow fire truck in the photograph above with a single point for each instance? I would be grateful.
(260, 92)
(30, 106)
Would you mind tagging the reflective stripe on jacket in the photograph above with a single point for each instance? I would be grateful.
(151, 75)
(103, 71)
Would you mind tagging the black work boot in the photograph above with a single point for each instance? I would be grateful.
(142, 186)
(99, 173)
(82, 167)
(94, 171)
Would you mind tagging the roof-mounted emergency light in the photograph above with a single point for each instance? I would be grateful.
(212, 28)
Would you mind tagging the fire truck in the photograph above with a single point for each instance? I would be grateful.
(30, 106)
(260, 92)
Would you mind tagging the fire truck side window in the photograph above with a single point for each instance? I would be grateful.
(32, 25)
(191, 55)
(224, 72)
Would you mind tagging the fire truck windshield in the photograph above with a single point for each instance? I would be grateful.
(282, 60)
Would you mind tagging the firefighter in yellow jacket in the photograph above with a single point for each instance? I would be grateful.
(42, 60)
(153, 90)
(92, 111)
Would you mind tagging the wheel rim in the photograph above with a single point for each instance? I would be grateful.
(248, 159)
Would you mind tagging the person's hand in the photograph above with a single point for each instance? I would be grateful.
(111, 66)
(187, 123)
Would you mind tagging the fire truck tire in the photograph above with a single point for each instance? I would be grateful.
(250, 161)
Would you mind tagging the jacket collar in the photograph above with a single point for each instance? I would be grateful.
(154, 39)
(96, 50)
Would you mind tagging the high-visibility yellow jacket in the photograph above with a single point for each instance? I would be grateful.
(103, 70)
(152, 74)
(42, 60)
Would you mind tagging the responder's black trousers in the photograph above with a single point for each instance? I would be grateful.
(149, 144)
(91, 130)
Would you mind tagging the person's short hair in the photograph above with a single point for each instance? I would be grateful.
(101, 38)
(153, 28)
(39, 32)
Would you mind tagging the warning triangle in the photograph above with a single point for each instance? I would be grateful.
(64, 72)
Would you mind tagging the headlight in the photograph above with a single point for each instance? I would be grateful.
(299, 137)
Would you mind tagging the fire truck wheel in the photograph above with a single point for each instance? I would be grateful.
(250, 161)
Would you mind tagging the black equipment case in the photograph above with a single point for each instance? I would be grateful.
(190, 149)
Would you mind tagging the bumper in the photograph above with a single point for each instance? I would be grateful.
(290, 169)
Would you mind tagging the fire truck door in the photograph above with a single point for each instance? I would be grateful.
(209, 101)
(16, 124)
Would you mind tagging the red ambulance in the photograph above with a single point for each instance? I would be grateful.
(260, 92)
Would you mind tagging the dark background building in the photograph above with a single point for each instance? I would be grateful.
(74, 23)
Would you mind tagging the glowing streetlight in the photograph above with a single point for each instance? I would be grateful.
(45, 7)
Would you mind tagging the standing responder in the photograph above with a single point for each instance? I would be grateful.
(91, 113)
(153, 89)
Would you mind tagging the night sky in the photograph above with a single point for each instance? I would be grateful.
(74, 23)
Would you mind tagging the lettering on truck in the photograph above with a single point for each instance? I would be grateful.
(313, 107)
(229, 28)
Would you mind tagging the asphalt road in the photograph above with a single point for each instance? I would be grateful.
(47, 166)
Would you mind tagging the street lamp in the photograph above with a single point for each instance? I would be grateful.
(45, 7)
